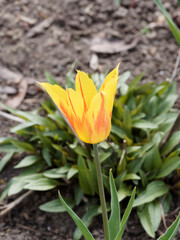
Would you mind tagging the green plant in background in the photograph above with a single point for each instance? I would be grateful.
(136, 151)
(174, 29)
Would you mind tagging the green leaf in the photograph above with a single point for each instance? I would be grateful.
(16, 186)
(135, 81)
(118, 2)
(171, 231)
(78, 194)
(87, 220)
(114, 220)
(42, 184)
(120, 133)
(56, 116)
(174, 29)
(172, 142)
(27, 161)
(155, 213)
(56, 172)
(153, 190)
(72, 171)
(77, 220)
(5, 160)
(59, 135)
(123, 192)
(32, 117)
(5, 191)
(167, 103)
(84, 177)
(127, 124)
(141, 123)
(126, 216)
(166, 202)
(50, 78)
(81, 151)
(131, 176)
(152, 159)
(168, 166)
(123, 78)
(55, 206)
(46, 156)
(4, 140)
(146, 221)
(104, 155)
(36, 167)
(9, 148)
(70, 83)
(22, 126)
(92, 176)
(27, 147)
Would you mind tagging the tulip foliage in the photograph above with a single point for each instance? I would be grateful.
(142, 150)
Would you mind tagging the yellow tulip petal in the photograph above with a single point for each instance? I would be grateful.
(97, 123)
(110, 90)
(113, 74)
(59, 97)
(56, 92)
(75, 100)
(86, 87)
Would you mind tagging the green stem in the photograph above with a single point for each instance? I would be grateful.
(101, 193)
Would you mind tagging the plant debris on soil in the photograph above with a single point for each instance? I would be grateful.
(38, 36)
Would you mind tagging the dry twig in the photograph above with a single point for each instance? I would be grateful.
(13, 204)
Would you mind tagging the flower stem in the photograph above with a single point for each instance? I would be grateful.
(101, 193)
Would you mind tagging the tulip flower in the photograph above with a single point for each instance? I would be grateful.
(87, 110)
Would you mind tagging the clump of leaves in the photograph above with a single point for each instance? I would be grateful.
(140, 152)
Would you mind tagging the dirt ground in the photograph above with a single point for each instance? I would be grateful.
(38, 36)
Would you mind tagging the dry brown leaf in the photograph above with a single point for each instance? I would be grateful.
(19, 97)
(111, 47)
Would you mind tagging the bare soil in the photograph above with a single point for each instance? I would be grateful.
(38, 36)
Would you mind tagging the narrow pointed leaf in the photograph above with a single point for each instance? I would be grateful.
(114, 221)
(126, 216)
(86, 233)
(50, 78)
(171, 231)
(174, 29)
(87, 220)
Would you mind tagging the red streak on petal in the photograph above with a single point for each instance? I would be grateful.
(101, 120)
(89, 127)
(69, 118)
